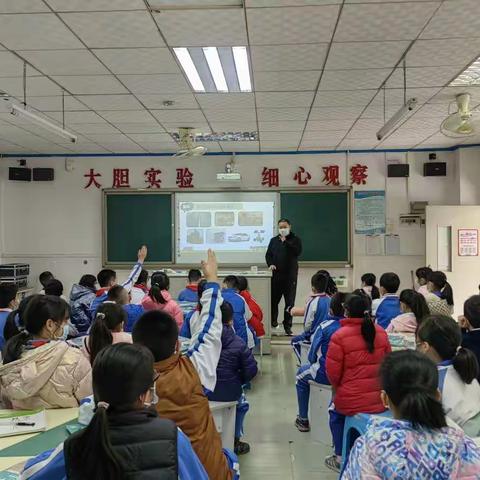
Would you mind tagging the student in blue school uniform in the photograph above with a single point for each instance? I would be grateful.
(241, 312)
(125, 438)
(190, 323)
(387, 307)
(470, 323)
(120, 296)
(190, 292)
(8, 303)
(316, 310)
(316, 368)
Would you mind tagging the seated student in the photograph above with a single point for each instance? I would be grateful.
(414, 308)
(440, 338)
(160, 299)
(440, 294)
(82, 295)
(182, 380)
(44, 278)
(316, 311)
(125, 438)
(190, 321)
(354, 356)
(120, 296)
(54, 287)
(236, 367)
(15, 321)
(189, 293)
(315, 368)
(140, 289)
(107, 329)
(39, 370)
(8, 302)
(369, 287)
(256, 321)
(387, 307)
(422, 275)
(241, 312)
(416, 442)
(108, 278)
(470, 323)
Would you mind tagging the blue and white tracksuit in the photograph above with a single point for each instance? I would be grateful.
(127, 285)
(385, 309)
(241, 316)
(50, 465)
(316, 368)
(316, 311)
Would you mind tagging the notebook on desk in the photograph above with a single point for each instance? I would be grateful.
(19, 422)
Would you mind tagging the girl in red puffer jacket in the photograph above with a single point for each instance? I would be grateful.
(354, 357)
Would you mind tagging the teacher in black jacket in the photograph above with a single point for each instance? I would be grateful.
(282, 259)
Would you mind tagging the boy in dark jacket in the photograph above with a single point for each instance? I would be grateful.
(236, 367)
(470, 323)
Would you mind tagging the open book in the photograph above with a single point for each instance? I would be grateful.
(18, 422)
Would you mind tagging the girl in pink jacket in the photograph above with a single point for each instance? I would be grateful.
(414, 309)
(159, 299)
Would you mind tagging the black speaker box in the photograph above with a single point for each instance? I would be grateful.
(43, 174)
(20, 174)
(398, 170)
(434, 169)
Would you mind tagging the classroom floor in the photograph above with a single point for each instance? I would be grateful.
(278, 450)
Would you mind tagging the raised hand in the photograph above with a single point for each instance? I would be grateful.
(142, 254)
(210, 267)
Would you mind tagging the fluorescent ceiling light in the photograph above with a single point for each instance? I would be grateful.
(388, 127)
(470, 76)
(243, 71)
(189, 68)
(213, 60)
(42, 122)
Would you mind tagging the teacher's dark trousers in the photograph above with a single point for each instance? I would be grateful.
(283, 285)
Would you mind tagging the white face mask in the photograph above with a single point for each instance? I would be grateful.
(284, 232)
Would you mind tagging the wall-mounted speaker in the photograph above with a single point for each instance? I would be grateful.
(398, 170)
(435, 169)
(43, 174)
(20, 174)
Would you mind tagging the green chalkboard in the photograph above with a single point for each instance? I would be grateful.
(134, 219)
(322, 221)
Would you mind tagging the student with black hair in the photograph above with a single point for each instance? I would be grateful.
(256, 320)
(140, 289)
(440, 338)
(191, 319)
(416, 442)
(422, 275)
(315, 368)
(120, 296)
(54, 287)
(369, 287)
(354, 356)
(331, 288)
(414, 308)
(470, 323)
(82, 295)
(39, 369)
(15, 321)
(44, 278)
(8, 303)
(440, 296)
(125, 438)
(387, 307)
(190, 292)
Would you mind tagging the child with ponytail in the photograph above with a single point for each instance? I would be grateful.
(416, 442)
(440, 338)
(354, 356)
(440, 296)
(414, 309)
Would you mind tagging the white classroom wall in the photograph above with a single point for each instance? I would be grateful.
(57, 225)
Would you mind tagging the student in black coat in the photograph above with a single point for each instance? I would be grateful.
(470, 323)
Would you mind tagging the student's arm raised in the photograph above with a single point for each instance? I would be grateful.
(136, 270)
(205, 350)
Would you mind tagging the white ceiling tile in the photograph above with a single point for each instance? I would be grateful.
(288, 3)
(286, 81)
(23, 6)
(278, 146)
(123, 147)
(226, 100)
(272, 26)
(155, 84)
(54, 104)
(87, 148)
(87, 128)
(155, 147)
(77, 117)
(359, 134)
(240, 146)
(284, 99)
(41, 31)
(434, 110)
(109, 138)
(126, 116)
(138, 60)
(328, 125)
(282, 114)
(152, 138)
(36, 86)
(333, 98)
(324, 138)
(94, 5)
(114, 29)
(148, 127)
(305, 146)
(203, 27)
(395, 96)
(461, 18)
(234, 126)
(11, 65)
(274, 58)
(424, 76)
(173, 116)
(197, 128)
(335, 113)
(354, 79)
(383, 21)
(155, 102)
(90, 84)
(357, 145)
(290, 137)
(447, 94)
(366, 55)
(234, 115)
(111, 102)
(293, 126)
(384, 1)
(65, 62)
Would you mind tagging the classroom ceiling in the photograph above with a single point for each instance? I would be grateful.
(326, 73)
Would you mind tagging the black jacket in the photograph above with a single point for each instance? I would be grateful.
(284, 255)
(471, 340)
(146, 444)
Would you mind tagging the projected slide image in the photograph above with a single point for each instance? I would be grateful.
(239, 237)
(250, 219)
(224, 219)
(195, 236)
(215, 236)
(199, 219)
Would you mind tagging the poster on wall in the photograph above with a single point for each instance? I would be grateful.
(467, 242)
(370, 212)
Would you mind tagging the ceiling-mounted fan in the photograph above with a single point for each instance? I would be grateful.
(464, 122)
(186, 144)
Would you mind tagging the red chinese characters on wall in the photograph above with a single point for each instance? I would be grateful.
(152, 178)
(302, 177)
(358, 174)
(270, 177)
(92, 179)
(121, 177)
(331, 175)
(184, 178)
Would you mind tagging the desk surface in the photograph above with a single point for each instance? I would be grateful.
(214, 406)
